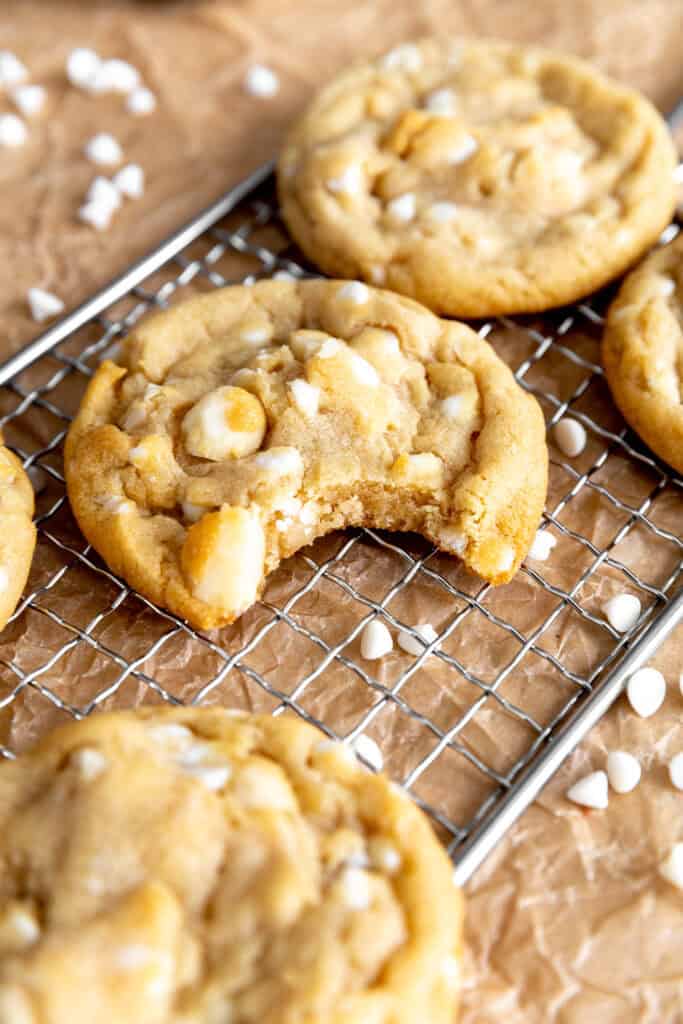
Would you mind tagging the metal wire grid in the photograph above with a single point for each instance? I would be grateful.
(250, 246)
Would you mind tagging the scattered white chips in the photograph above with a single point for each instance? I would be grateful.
(676, 771)
(366, 748)
(13, 131)
(29, 99)
(141, 101)
(12, 71)
(646, 690)
(375, 641)
(261, 81)
(116, 76)
(98, 215)
(622, 612)
(82, 66)
(130, 180)
(104, 192)
(570, 437)
(409, 643)
(591, 791)
(541, 546)
(103, 149)
(623, 771)
(672, 868)
(43, 305)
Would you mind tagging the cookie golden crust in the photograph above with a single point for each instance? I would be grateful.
(642, 351)
(196, 866)
(17, 532)
(248, 422)
(478, 177)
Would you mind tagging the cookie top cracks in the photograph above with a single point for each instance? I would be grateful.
(477, 177)
(247, 422)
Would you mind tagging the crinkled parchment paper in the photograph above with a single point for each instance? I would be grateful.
(568, 920)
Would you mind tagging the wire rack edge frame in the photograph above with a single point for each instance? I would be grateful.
(495, 823)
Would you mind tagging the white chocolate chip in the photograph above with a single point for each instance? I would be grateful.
(15, 1007)
(98, 215)
(309, 513)
(283, 275)
(330, 347)
(228, 422)
(402, 209)
(212, 775)
(13, 131)
(453, 540)
(261, 81)
(29, 99)
(19, 925)
(452, 406)
(378, 274)
(409, 643)
(255, 335)
(43, 305)
(82, 66)
(281, 461)
(366, 748)
(406, 57)
(103, 149)
(672, 867)
(192, 513)
(375, 640)
(306, 397)
(349, 181)
(114, 76)
(89, 763)
(355, 292)
(364, 371)
(450, 970)
(117, 506)
(132, 957)
(591, 791)
(336, 748)
(622, 612)
(541, 546)
(4, 579)
(442, 102)
(172, 733)
(355, 887)
(506, 559)
(676, 771)
(667, 286)
(442, 212)
(384, 856)
(130, 180)
(646, 690)
(623, 771)
(141, 101)
(570, 436)
(463, 151)
(12, 71)
(103, 192)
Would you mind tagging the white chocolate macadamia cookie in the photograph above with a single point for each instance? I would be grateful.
(478, 177)
(246, 423)
(201, 866)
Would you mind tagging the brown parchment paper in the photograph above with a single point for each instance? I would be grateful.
(568, 920)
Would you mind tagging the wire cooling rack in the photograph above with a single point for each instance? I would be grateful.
(475, 724)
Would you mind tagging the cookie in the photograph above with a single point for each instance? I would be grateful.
(248, 422)
(17, 532)
(478, 177)
(198, 866)
(642, 351)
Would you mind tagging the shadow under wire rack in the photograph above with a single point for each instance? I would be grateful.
(474, 725)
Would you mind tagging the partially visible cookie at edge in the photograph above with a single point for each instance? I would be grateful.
(246, 423)
(17, 532)
(642, 351)
(196, 865)
(478, 177)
